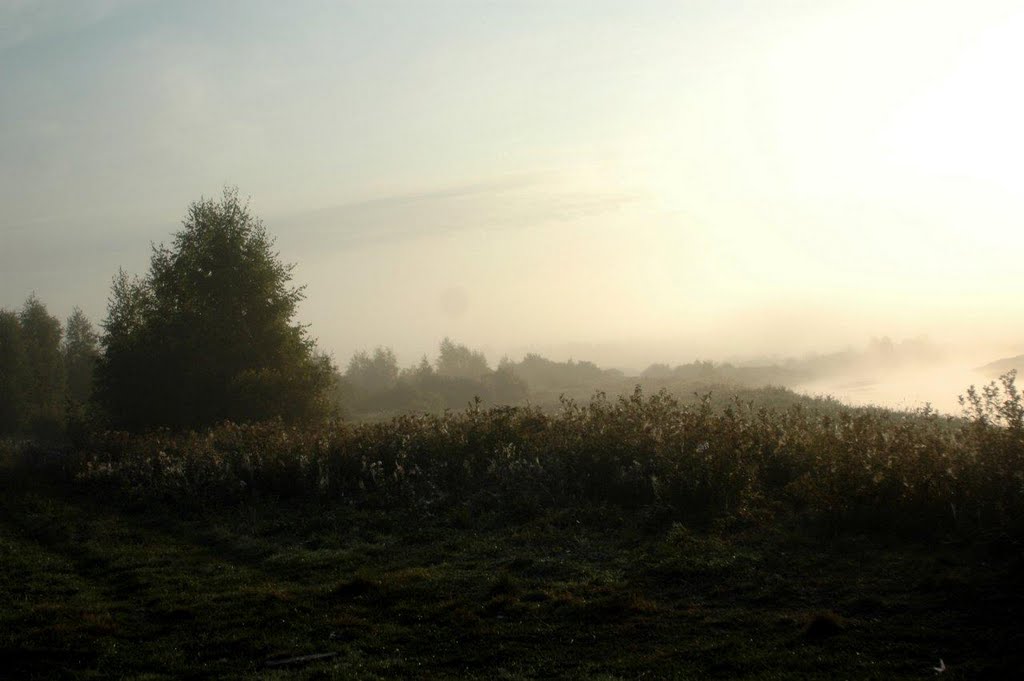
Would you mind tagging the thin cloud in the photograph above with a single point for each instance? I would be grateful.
(516, 203)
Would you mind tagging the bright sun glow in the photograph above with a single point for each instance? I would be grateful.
(663, 178)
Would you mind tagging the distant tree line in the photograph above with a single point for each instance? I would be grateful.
(374, 385)
(459, 376)
(703, 371)
(208, 335)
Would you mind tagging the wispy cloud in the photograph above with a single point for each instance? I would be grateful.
(515, 203)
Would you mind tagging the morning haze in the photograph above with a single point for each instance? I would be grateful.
(511, 339)
(625, 183)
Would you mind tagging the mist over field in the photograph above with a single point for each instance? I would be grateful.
(939, 385)
(562, 339)
(619, 183)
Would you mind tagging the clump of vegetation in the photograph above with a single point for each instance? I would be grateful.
(46, 371)
(836, 468)
(374, 387)
(207, 337)
(207, 334)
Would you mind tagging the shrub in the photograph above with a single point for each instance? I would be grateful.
(842, 468)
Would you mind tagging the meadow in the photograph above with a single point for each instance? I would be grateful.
(634, 537)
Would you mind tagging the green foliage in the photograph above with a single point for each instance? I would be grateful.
(839, 469)
(13, 374)
(725, 373)
(543, 374)
(996, 415)
(44, 388)
(374, 374)
(97, 589)
(374, 387)
(45, 381)
(458, 361)
(80, 351)
(207, 334)
(506, 386)
(125, 373)
(635, 518)
(996, 403)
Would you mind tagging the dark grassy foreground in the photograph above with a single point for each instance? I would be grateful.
(636, 539)
(92, 590)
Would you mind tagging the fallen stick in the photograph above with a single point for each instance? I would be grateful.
(300, 660)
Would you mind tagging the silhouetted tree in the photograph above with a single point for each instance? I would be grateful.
(373, 374)
(657, 370)
(458, 361)
(540, 372)
(13, 376)
(417, 373)
(43, 392)
(207, 335)
(505, 386)
(81, 351)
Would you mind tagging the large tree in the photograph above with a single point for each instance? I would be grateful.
(208, 334)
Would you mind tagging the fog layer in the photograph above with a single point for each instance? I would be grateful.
(625, 183)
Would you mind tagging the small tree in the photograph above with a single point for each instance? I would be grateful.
(208, 335)
(418, 373)
(13, 378)
(81, 351)
(373, 374)
(506, 385)
(44, 369)
(458, 361)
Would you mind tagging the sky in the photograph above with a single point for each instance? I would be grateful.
(623, 182)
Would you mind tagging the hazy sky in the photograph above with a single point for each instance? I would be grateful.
(621, 181)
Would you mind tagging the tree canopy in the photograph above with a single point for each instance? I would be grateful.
(13, 373)
(80, 350)
(44, 389)
(373, 374)
(458, 361)
(32, 372)
(208, 334)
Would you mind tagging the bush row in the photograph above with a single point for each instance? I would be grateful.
(841, 467)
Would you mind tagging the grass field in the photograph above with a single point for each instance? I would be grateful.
(635, 538)
(94, 589)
